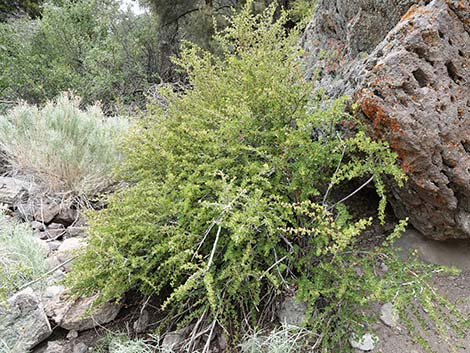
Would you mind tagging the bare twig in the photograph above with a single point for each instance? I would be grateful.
(352, 194)
(208, 342)
(209, 263)
(334, 174)
(46, 274)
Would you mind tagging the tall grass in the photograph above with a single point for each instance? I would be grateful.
(22, 257)
(67, 149)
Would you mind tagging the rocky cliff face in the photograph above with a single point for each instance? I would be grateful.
(411, 79)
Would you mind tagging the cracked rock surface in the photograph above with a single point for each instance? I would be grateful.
(414, 92)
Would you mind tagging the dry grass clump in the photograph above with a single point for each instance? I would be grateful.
(68, 150)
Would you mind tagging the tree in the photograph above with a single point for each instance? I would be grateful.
(12, 8)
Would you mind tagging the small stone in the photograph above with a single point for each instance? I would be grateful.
(292, 312)
(72, 334)
(140, 325)
(55, 226)
(53, 245)
(80, 347)
(38, 226)
(365, 343)
(54, 233)
(56, 347)
(174, 340)
(75, 231)
(388, 315)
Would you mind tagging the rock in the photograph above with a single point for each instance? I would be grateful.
(53, 245)
(12, 190)
(54, 225)
(413, 89)
(66, 249)
(174, 340)
(79, 315)
(341, 34)
(72, 335)
(292, 312)
(38, 226)
(75, 231)
(365, 343)
(66, 216)
(416, 97)
(80, 347)
(388, 315)
(46, 212)
(23, 322)
(55, 347)
(141, 324)
(54, 234)
(25, 210)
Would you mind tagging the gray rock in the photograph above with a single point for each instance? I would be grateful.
(174, 340)
(66, 216)
(79, 315)
(388, 315)
(23, 322)
(80, 347)
(53, 245)
(55, 347)
(75, 231)
(46, 212)
(54, 225)
(72, 335)
(141, 324)
(412, 88)
(66, 250)
(12, 190)
(38, 226)
(365, 343)
(292, 312)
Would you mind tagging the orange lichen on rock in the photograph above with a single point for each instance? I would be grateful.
(415, 10)
(377, 114)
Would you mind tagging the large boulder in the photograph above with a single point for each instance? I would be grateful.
(23, 322)
(413, 89)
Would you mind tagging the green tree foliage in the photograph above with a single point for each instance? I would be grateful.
(194, 21)
(227, 206)
(12, 8)
(87, 46)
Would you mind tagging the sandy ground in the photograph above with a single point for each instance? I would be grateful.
(456, 288)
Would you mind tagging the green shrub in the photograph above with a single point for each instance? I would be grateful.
(88, 46)
(22, 257)
(70, 151)
(229, 205)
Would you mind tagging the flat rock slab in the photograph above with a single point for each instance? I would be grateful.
(23, 323)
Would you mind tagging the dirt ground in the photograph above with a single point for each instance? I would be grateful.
(455, 288)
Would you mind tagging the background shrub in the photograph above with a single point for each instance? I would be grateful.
(230, 205)
(88, 46)
(22, 256)
(68, 150)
